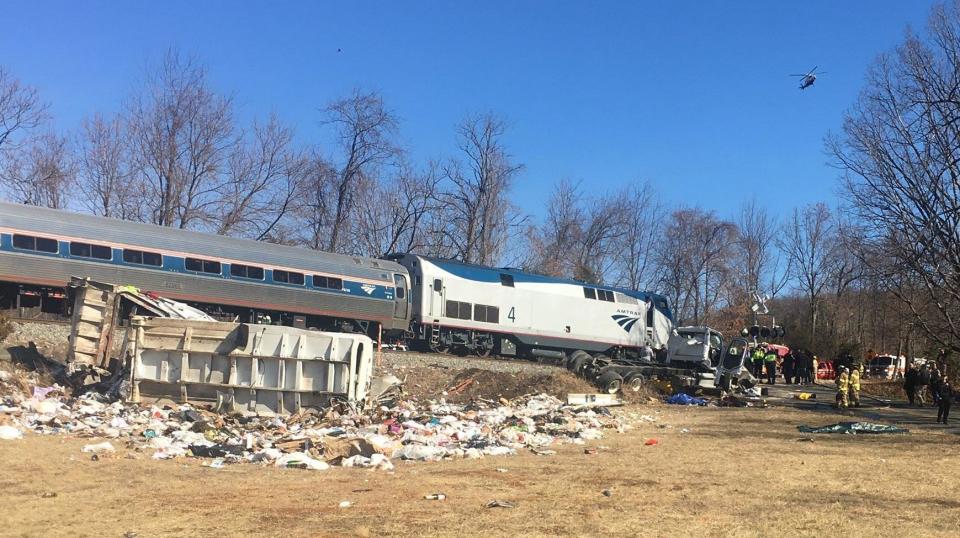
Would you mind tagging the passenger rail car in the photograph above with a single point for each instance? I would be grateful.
(45, 247)
(463, 307)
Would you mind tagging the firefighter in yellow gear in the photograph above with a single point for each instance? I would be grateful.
(843, 385)
(855, 387)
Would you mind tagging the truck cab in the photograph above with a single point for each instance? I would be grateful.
(697, 348)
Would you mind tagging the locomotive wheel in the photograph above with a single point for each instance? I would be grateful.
(439, 347)
(482, 351)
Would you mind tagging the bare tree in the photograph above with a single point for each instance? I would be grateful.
(481, 219)
(40, 173)
(642, 228)
(899, 152)
(20, 109)
(809, 242)
(183, 134)
(364, 129)
(263, 178)
(694, 260)
(105, 175)
(553, 246)
(396, 216)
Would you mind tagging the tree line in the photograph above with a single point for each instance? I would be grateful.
(878, 269)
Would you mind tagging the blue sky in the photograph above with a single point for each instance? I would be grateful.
(693, 96)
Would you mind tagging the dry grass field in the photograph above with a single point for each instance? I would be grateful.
(736, 472)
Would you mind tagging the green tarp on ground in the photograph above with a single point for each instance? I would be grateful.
(854, 428)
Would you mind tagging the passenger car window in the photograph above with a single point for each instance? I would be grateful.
(86, 250)
(40, 244)
(141, 257)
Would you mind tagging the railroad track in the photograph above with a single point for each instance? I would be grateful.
(40, 321)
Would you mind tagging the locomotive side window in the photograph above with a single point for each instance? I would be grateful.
(605, 295)
(288, 277)
(202, 266)
(40, 244)
(246, 271)
(437, 285)
(458, 310)
(590, 293)
(86, 250)
(141, 257)
(506, 280)
(487, 314)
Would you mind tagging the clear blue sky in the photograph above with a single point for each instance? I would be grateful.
(693, 95)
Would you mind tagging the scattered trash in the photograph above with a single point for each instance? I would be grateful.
(682, 398)
(684, 430)
(9, 433)
(854, 428)
(805, 396)
(502, 470)
(500, 504)
(589, 450)
(435, 497)
(651, 442)
(606, 400)
(48, 494)
(607, 493)
(345, 504)
(343, 434)
(805, 440)
(99, 448)
(299, 460)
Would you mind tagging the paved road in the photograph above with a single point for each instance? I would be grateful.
(872, 409)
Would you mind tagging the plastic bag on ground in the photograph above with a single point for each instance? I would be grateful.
(99, 448)
(299, 460)
(9, 433)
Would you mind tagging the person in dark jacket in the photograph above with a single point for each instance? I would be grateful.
(788, 365)
(945, 393)
(910, 383)
(935, 385)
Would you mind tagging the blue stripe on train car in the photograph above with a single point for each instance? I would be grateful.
(176, 264)
(491, 275)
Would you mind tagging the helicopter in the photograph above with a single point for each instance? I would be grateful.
(808, 78)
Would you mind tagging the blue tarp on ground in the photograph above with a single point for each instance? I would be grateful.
(854, 428)
(681, 398)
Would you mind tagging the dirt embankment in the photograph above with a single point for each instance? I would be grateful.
(459, 379)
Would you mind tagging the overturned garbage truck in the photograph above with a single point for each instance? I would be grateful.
(170, 351)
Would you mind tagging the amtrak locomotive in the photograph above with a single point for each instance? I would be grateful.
(468, 308)
(442, 305)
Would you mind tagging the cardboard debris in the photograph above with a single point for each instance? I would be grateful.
(606, 400)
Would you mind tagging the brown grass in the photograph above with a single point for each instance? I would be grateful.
(738, 472)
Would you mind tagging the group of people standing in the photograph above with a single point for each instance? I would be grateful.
(929, 378)
(797, 367)
(848, 387)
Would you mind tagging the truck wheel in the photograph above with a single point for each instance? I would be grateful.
(609, 382)
(573, 358)
(579, 364)
(634, 382)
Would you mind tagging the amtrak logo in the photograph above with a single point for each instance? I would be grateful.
(368, 288)
(625, 322)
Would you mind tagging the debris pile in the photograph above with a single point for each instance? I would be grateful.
(342, 435)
